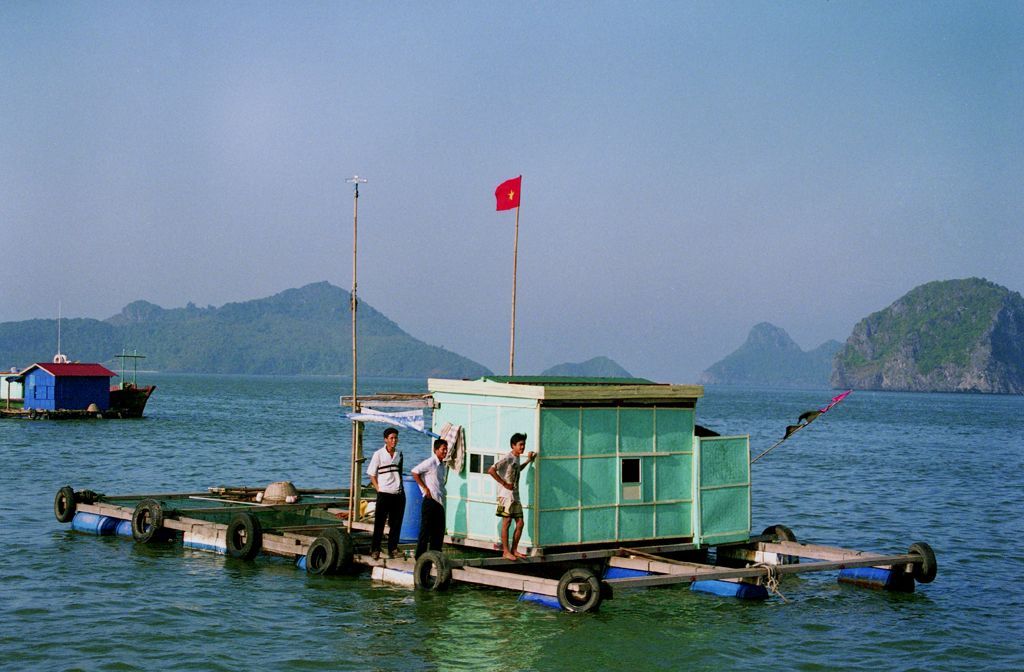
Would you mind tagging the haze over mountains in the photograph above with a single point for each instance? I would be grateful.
(770, 357)
(945, 336)
(298, 331)
(953, 335)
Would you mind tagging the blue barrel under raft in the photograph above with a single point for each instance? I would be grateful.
(737, 589)
(413, 506)
(91, 523)
(876, 578)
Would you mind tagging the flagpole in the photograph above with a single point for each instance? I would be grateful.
(356, 453)
(512, 339)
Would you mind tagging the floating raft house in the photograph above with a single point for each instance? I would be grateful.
(626, 491)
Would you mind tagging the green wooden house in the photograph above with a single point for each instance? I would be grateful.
(618, 461)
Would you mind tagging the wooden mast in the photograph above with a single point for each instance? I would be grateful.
(357, 443)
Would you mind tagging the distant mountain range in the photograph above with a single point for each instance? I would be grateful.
(948, 336)
(298, 331)
(600, 367)
(945, 336)
(770, 357)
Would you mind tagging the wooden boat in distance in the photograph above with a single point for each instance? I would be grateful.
(128, 399)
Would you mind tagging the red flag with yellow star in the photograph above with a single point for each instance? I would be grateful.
(507, 193)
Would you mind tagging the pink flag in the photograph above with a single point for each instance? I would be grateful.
(835, 400)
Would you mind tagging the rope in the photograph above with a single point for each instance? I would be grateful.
(771, 580)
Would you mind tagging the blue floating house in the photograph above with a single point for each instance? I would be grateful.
(66, 386)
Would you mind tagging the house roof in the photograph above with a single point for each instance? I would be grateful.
(70, 370)
(578, 381)
(562, 390)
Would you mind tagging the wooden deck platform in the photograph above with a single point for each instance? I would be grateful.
(316, 534)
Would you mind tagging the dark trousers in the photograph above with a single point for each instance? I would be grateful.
(431, 527)
(390, 509)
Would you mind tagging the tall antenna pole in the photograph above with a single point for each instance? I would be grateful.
(357, 457)
(512, 338)
(353, 302)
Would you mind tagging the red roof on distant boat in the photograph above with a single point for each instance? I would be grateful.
(68, 370)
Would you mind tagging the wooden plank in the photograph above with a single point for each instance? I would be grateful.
(125, 513)
(110, 510)
(287, 546)
(675, 574)
(811, 551)
(658, 566)
(244, 490)
(159, 495)
(251, 506)
(390, 400)
(490, 577)
(537, 554)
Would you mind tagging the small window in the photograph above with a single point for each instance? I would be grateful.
(631, 488)
(631, 470)
(480, 464)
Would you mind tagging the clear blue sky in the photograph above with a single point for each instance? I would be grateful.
(690, 169)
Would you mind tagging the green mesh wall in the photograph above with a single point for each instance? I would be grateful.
(581, 498)
(724, 489)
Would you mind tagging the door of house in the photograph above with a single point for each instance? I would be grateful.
(722, 473)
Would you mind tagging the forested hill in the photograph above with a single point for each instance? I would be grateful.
(946, 336)
(601, 367)
(299, 331)
(770, 357)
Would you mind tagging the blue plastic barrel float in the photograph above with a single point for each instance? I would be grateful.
(124, 529)
(739, 589)
(91, 523)
(413, 505)
(877, 578)
(544, 600)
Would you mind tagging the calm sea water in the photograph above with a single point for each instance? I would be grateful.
(879, 472)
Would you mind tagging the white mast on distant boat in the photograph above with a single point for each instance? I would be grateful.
(357, 443)
(60, 357)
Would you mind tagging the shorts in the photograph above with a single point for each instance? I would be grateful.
(509, 509)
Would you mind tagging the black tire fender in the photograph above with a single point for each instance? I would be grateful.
(320, 556)
(244, 537)
(780, 532)
(147, 521)
(579, 590)
(925, 571)
(783, 533)
(438, 579)
(346, 548)
(64, 505)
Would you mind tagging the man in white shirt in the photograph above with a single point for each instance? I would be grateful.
(430, 476)
(385, 472)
